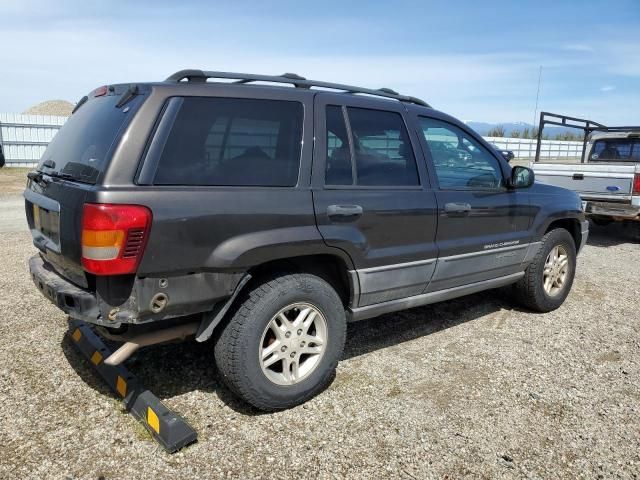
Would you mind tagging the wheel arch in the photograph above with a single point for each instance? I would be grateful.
(331, 267)
(572, 225)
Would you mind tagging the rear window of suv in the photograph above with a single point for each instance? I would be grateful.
(81, 147)
(233, 142)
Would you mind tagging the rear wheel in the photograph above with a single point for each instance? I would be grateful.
(282, 344)
(549, 277)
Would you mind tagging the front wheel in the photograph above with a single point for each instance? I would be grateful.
(282, 344)
(548, 279)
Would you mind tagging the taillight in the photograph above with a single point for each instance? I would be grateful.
(636, 184)
(114, 237)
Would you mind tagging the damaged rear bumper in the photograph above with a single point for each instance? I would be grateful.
(73, 300)
(133, 300)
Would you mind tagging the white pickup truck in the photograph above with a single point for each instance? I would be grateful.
(609, 180)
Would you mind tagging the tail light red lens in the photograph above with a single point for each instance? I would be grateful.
(636, 184)
(114, 237)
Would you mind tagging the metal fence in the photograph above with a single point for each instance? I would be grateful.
(24, 138)
(550, 150)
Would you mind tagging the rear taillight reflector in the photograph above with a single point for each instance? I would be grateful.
(114, 237)
(636, 184)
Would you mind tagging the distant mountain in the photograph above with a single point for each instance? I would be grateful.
(483, 128)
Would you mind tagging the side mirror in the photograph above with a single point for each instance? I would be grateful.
(521, 177)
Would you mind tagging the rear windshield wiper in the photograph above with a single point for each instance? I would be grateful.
(65, 176)
(39, 176)
(36, 177)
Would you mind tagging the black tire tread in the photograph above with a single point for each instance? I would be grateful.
(528, 289)
(226, 350)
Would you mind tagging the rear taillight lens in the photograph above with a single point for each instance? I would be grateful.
(636, 184)
(114, 237)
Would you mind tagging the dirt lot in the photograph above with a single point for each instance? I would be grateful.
(471, 387)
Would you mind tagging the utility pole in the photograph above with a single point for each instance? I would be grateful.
(535, 111)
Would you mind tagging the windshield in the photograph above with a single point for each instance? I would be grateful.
(81, 148)
(616, 150)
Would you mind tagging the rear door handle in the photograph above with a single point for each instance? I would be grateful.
(344, 210)
(457, 207)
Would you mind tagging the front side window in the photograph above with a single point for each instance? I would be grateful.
(233, 142)
(460, 161)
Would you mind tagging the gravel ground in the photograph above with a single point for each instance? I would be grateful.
(12, 181)
(470, 387)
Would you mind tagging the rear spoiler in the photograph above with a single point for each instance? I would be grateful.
(587, 126)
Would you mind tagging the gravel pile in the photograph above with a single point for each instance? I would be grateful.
(470, 387)
(60, 108)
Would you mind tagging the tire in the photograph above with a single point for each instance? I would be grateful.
(250, 333)
(530, 289)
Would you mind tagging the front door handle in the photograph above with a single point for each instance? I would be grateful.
(455, 207)
(344, 210)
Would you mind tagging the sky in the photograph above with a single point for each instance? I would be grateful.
(477, 60)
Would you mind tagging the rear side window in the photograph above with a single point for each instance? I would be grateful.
(616, 150)
(381, 147)
(338, 169)
(233, 142)
(383, 152)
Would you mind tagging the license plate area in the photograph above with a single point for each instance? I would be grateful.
(46, 227)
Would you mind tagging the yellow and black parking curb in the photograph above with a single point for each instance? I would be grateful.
(168, 429)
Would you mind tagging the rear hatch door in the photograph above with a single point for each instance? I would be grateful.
(72, 167)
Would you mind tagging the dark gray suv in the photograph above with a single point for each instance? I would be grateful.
(265, 212)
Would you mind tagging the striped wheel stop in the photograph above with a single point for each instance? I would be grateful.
(168, 429)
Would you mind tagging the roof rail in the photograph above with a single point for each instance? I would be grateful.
(201, 76)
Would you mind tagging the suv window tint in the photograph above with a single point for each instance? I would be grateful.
(383, 152)
(233, 142)
(81, 147)
(460, 161)
(338, 168)
(616, 149)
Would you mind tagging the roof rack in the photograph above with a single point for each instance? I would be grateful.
(201, 76)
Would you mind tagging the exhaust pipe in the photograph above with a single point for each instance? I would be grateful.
(179, 332)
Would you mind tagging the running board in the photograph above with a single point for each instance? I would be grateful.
(370, 311)
(168, 429)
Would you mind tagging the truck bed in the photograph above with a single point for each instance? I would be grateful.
(612, 182)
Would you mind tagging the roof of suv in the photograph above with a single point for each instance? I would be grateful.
(201, 76)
